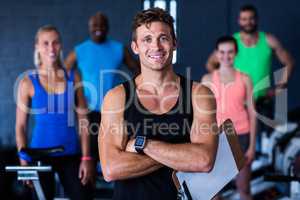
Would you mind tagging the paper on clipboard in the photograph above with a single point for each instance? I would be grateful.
(229, 161)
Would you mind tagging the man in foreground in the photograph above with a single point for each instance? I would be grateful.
(158, 122)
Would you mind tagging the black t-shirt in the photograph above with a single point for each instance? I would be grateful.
(172, 127)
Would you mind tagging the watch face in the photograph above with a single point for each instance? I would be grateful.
(139, 141)
(140, 144)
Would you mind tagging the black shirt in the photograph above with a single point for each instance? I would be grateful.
(172, 127)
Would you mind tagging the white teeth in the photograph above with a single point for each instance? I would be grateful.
(98, 33)
(156, 57)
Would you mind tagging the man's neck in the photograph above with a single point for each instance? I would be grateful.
(99, 41)
(249, 39)
(157, 79)
(246, 35)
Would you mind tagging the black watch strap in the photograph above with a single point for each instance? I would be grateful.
(139, 150)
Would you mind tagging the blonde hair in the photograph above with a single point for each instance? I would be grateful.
(36, 56)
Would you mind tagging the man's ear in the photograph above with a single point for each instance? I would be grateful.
(174, 45)
(134, 47)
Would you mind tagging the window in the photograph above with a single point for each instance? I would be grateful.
(160, 4)
(171, 7)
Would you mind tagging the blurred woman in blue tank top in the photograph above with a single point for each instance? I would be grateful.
(50, 91)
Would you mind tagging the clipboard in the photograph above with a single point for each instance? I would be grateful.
(229, 161)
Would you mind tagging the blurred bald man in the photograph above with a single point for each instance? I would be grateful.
(98, 60)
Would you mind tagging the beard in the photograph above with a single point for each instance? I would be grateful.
(249, 29)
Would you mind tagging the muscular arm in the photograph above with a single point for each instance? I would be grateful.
(199, 155)
(212, 62)
(131, 63)
(116, 163)
(70, 61)
(283, 56)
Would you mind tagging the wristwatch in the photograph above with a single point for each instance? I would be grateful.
(140, 143)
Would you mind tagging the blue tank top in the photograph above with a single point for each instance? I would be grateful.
(54, 117)
(97, 64)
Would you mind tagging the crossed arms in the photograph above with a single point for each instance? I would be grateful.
(119, 159)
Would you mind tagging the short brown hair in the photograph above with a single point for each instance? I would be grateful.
(146, 17)
(250, 8)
